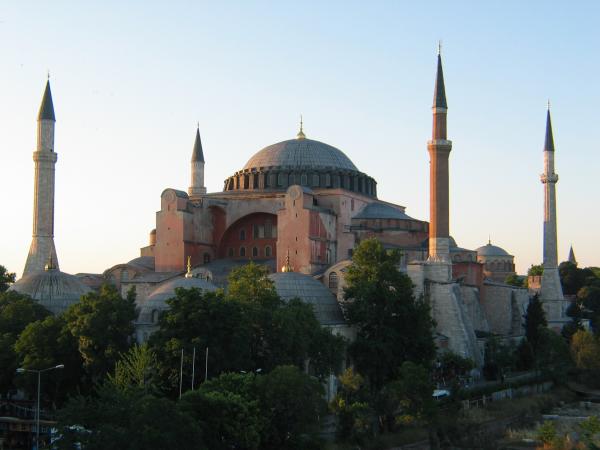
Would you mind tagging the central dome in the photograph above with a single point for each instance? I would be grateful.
(305, 153)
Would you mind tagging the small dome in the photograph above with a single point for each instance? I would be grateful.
(53, 289)
(157, 300)
(298, 153)
(291, 285)
(491, 250)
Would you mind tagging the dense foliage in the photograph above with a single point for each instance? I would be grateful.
(392, 325)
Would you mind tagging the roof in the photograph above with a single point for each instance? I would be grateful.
(291, 285)
(491, 250)
(47, 107)
(145, 262)
(53, 289)
(378, 210)
(197, 153)
(305, 153)
(549, 142)
(439, 95)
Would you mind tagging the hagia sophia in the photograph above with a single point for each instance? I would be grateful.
(301, 207)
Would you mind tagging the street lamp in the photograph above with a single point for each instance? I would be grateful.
(37, 412)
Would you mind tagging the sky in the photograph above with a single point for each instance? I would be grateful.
(130, 81)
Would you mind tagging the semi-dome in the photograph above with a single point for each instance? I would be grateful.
(156, 302)
(491, 250)
(53, 289)
(291, 285)
(301, 153)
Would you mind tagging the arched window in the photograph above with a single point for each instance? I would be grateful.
(268, 251)
(242, 251)
(328, 180)
(242, 234)
(154, 316)
(230, 253)
(304, 179)
(254, 252)
(315, 180)
(333, 281)
(206, 258)
(124, 275)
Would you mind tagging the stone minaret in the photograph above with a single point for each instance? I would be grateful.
(551, 288)
(197, 183)
(439, 149)
(572, 258)
(42, 248)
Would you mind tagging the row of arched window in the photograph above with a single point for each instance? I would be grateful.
(256, 253)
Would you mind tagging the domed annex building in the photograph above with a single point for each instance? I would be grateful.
(300, 207)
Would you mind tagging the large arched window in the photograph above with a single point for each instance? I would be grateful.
(242, 234)
(242, 251)
(268, 251)
(333, 281)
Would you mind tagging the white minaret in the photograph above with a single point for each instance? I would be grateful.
(42, 250)
(197, 182)
(551, 291)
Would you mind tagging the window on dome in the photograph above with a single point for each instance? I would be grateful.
(280, 179)
(315, 180)
(304, 179)
(328, 180)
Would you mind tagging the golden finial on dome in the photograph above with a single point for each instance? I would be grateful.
(50, 264)
(301, 134)
(189, 268)
(287, 267)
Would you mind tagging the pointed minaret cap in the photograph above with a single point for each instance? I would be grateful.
(572, 256)
(549, 143)
(197, 153)
(47, 108)
(439, 95)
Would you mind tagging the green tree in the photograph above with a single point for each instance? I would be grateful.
(553, 356)
(46, 343)
(137, 367)
(352, 409)
(102, 324)
(227, 420)
(535, 270)
(6, 279)
(201, 320)
(585, 350)
(16, 312)
(575, 312)
(589, 296)
(535, 321)
(392, 325)
(115, 419)
(515, 280)
(251, 284)
(291, 402)
(296, 336)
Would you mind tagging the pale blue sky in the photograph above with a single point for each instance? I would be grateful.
(131, 79)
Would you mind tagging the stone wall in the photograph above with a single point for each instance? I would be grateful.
(504, 307)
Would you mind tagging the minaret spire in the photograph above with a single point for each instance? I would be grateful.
(301, 134)
(439, 148)
(551, 289)
(572, 259)
(197, 165)
(42, 247)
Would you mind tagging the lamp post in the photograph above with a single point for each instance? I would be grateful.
(37, 412)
